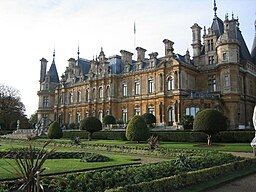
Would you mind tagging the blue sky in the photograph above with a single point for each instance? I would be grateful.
(30, 29)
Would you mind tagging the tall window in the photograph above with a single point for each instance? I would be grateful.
(212, 83)
(45, 101)
(211, 60)
(70, 117)
(93, 93)
(87, 94)
(151, 110)
(108, 91)
(78, 117)
(124, 90)
(137, 111)
(226, 80)
(171, 115)
(100, 92)
(79, 97)
(210, 45)
(191, 110)
(170, 84)
(124, 115)
(137, 88)
(150, 86)
(70, 97)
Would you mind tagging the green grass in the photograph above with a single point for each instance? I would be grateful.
(54, 166)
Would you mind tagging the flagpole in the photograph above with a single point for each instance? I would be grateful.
(134, 43)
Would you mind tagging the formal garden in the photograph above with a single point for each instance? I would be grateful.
(136, 159)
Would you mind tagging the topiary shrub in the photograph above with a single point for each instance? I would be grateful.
(137, 129)
(54, 131)
(187, 121)
(210, 121)
(91, 125)
(149, 118)
(109, 119)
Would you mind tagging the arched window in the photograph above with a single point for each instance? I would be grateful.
(93, 93)
(170, 83)
(87, 94)
(108, 91)
(171, 116)
(100, 92)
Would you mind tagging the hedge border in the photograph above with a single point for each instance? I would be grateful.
(171, 136)
(187, 179)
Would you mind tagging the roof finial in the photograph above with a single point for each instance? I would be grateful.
(53, 53)
(78, 52)
(215, 8)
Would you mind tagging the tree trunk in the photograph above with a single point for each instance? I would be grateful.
(89, 136)
(209, 138)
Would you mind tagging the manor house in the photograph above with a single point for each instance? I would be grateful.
(220, 74)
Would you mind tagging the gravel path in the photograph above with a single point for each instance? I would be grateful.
(245, 184)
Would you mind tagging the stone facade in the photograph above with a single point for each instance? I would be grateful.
(221, 74)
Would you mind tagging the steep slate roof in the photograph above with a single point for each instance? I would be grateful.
(217, 26)
(53, 74)
(244, 52)
(84, 65)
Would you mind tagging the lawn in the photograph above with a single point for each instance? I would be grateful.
(54, 166)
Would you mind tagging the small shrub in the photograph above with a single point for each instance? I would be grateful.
(210, 121)
(109, 119)
(93, 157)
(149, 118)
(137, 129)
(91, 125)
(54, 131)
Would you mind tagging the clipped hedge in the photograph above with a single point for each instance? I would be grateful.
(238, 136)
(175, 182)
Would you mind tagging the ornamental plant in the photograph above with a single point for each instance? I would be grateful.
(211, 122)
(91, 125)
(109, 119)
(54, 131)
(149, 118)
(137, 129)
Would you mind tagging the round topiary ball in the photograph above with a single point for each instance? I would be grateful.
(210, 121)
(91, 125)
(109, 119)
(149, 118)
(54, 131)
(137, 129)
